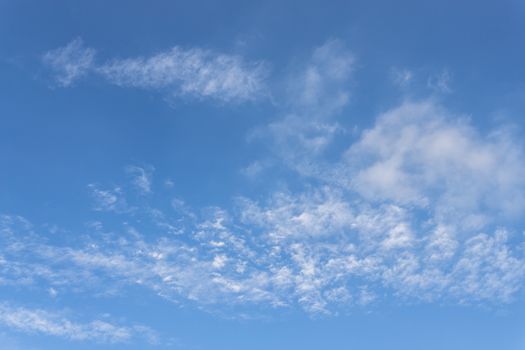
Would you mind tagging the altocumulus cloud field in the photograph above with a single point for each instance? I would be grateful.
(262, 176)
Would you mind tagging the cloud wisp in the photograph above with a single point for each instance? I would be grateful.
(141, 178)
(322, 250)
(56, 324)
(178, 72)
(71, 62)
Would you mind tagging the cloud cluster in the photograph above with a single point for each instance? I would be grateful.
(320, 86)
(319, 250)
(108, 199)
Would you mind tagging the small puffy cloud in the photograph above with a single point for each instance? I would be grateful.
(319, 249)
(440, 82)
(402, 77)
(488, 269)
(70, 62)
(219, 261)
(254, 169)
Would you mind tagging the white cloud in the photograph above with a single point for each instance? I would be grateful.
(319, 250)
(141, 177)
(440, 82)
(70, 62)
(190, 72)
(108, 200)
(219, 261)
(320, 214)
(56, 324)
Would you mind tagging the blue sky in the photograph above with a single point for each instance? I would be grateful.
(277, 175)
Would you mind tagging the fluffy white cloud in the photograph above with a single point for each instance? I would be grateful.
(319, 249)
(141, 177)
(320, 87)
(316, 92)
(419, 154)
(322, 213)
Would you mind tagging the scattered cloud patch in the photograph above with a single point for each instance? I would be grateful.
(420, 154)
(178, 72)
(402, 77)
(56, 324)
(108, 199)
(141, 177)
(440, 82)
(190, 72)
(317, 91)
(71, 62)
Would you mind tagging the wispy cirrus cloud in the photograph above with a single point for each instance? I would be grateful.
(71, 62)
(111, 199)
(178, 72)
(141, 177)
(190, 72)
(317, 90)
(57, 324)
(319, 87)
(402, 77)
(440, 82)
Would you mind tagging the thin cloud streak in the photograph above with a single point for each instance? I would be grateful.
(71, 62)
(178, 72)
(55, 324)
